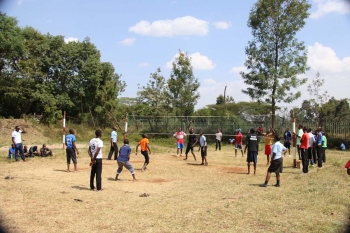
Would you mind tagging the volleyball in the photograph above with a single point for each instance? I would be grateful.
(182, 53)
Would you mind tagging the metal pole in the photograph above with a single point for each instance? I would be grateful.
(64, 130)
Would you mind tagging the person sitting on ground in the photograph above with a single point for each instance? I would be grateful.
(44, 151)
(342, 146)
(33, 151)
(25, 151)
(12, 151)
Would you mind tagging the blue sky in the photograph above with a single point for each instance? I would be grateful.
(138, 36)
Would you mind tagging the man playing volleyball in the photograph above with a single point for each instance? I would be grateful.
(192, 140)
(268, 143)
(180, 140)
(144, 150)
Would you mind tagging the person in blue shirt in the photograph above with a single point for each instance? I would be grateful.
(114, 146)
(342, 146)
(276, 165)
(287, 139)
(12, 151)
(123, 160)
(71, 150)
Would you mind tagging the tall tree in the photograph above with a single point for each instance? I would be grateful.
(275, 57)
(183, 86)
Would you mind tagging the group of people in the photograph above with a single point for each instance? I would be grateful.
(17, 149)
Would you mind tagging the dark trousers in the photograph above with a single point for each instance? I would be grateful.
(323, 154)
(319, 156)
(96, 169)
(299, 152)
(309, 153)
(114, 149)
(305, 160)
(145, 154)
(19, 148)
(314, 154)
(218, 144)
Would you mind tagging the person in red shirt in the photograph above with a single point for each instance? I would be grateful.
(304, 145)
(238, 142)
(144, 150)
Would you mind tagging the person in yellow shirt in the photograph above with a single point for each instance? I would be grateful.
(144, 150)
(268, 136)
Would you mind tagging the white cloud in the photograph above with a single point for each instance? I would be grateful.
(185, 26)
(198, 62)
(143, 64)
(210, 90)
(222, 25)
(328, 6)
(128, 41)
(237, 70)
(70, 39)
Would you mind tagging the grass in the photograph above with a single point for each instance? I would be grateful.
(184, 196)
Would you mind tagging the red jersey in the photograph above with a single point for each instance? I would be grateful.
(305, 141)
(239, 138)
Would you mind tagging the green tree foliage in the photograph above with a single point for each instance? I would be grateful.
(220, 99)
(336, 110)
(182, 87)
(275, 57)
(44, 75)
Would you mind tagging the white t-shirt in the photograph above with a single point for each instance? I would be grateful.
(278, 149)
(218, 136)
(17, 136)
(311, 139)
(300, 134)
(94, 144)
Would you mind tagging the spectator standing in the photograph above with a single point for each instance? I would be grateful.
(304, 146)
(95, 152)
(311, 146)
(252, 143)
(114, 145)
(324, 146)
(203, 148)
(71, 150)
(218, 137)
(287, 139)
(17, 141)
(299, 135)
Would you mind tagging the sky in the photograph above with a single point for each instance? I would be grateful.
(138, 36)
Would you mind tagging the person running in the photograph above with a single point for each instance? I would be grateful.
(192, 140)
(114, 146)
(95, 152)
(268, 144)
(17, 141)
(203, 148)
(144, 150)
(276, 165)
(218, 137)
(238, 142)
(252, 143)
(304, 146)
(287, 139)
(71, 150)
(124, 159)
(179, 135)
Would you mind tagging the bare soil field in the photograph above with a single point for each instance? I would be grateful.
(40, 196)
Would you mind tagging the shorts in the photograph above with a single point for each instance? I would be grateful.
(203, 152)
(71, 155)
(287, 144)
(238, 146)
(180, 145)
(252, 157)
(125, 164)
(268, 150)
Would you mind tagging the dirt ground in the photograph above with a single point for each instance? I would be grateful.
(40, 196)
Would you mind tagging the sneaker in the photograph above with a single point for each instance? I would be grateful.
(277, 185)
(263, 185)
(202, 164)
(206, 164)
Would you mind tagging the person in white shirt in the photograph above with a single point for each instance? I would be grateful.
(276, 165)
(203, 148)
(17, 141)
(95, 152)
(311, 147)
(218, 137)
(114, 146)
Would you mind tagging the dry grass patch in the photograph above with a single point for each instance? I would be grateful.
(183, 196)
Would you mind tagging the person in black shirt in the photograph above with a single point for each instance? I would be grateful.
(192, 140)
(252, 143)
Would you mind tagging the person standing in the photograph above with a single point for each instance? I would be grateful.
(218, 137)
(252, 143)
(17, 141)
(124, 159)
(304, 146)
(95, 152)
(319, 147)
(144, 150)
(71, 150)
(299, 135)
(311, 146)
(203, 148)
(179, 135)
(114, 146)
(324, 146)
(268, 144)
(287, 138)
(192, 140)
(238, 142)
(276, 165)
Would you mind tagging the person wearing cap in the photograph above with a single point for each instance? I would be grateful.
(17, 141)
(114, 146)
